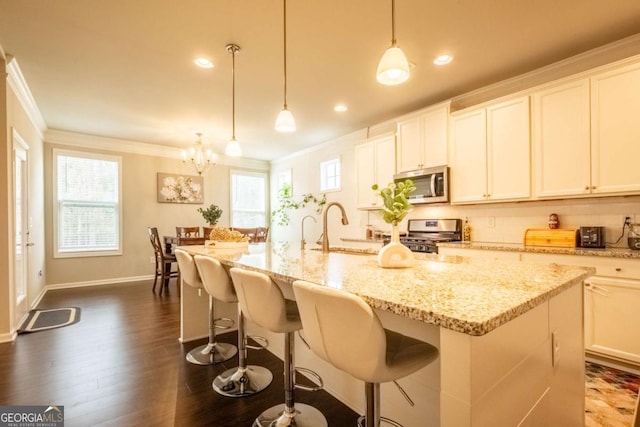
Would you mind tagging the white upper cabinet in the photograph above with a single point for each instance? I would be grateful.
(615, 131)
(490, 153)
(375, 164)
(586, 135)
(422, 139)
(561, 143)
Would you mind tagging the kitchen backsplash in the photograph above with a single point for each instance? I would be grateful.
(507, 222)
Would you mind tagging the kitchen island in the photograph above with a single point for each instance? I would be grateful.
(509, 334)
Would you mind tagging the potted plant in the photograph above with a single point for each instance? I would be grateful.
(395, 199)
(211, 214)
(287, 202)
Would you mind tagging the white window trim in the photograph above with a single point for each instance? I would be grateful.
(266, 192)
(322, 171)
(85, 155)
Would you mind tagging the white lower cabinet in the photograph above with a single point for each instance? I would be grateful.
(611, 317)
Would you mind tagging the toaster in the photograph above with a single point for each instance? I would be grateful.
(591, 237)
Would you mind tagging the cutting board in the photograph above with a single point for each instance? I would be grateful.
(558, 238)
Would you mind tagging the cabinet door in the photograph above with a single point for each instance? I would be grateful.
(385, 161)
(365, 174)
(375, 164)
(435, 132)
(611, 311)
(508, 150)
(468, 157)
(615, 131)
(410, 144)
(561, 154)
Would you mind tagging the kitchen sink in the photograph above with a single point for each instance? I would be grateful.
(351, 251)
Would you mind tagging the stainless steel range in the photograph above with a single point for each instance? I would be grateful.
(424, 234)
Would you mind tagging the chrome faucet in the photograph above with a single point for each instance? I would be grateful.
(302, 242)
(325, 235)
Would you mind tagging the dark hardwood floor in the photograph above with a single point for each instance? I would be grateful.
(122, 365)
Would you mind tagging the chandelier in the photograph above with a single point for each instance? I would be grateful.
(200, 158)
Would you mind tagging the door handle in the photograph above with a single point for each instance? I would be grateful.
(30, 244)
(596, 289)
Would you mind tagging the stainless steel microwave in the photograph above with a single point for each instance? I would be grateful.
(432, 184)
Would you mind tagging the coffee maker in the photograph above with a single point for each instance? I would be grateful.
(634, 236)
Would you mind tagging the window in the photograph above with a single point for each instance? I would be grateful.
(330, 175)
(248, 199)
(87, 204)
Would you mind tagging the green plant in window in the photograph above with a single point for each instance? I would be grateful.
(287, 202)
(211, 214)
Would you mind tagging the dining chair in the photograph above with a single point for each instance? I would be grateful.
(249, 232)
(261, 234)
(188, 231)
(164, 262)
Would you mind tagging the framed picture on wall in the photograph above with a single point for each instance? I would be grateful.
(173, 188)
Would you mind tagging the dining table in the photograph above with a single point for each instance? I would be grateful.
(170, 242)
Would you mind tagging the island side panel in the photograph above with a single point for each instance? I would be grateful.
(481, 373)
(566, 320)
(194, 314)
(507, 376)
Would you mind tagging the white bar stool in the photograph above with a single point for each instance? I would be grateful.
(261, 300)
(243, 380)
(345, 331)
(213, 352)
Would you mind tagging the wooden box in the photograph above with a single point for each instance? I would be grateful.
(558, 238)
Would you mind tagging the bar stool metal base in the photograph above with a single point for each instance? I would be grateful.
(302, 416)
(210, 354)
(363, 420)
(240, 382)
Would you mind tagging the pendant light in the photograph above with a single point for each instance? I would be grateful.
(285, 121)
(393, 68)
(233, 147)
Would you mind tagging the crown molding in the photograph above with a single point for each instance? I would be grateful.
(587, 61)
(94, 142)
(19, 85)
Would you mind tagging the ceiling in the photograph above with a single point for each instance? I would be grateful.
(124, 69)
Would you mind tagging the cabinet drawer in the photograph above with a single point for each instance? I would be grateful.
(614, 267)
(605, 266)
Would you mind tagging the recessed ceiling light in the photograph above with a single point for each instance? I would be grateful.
(443, 59)
(203, 63)
(340, 108)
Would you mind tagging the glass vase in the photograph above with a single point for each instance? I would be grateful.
(394, 254)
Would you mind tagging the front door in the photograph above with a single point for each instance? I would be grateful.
(21, 229)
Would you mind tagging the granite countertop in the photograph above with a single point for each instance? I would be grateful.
(518, 247)
(458, 293)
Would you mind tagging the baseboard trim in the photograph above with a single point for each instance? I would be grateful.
(613, 363)
(8, 337)
(97, 282)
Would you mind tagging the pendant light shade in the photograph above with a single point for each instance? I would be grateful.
(233, 148)
(393, 68)
(285, 121)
